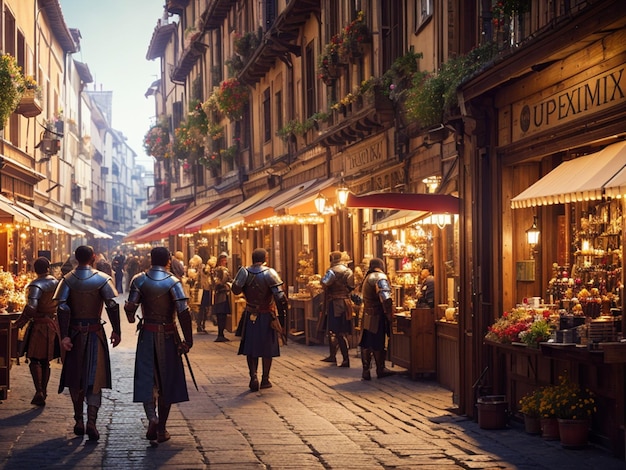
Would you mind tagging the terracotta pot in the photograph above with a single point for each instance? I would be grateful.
(574, 433)
(532, 424)
(550, 429)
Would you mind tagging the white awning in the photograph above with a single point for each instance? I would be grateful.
(399, 219)
(94, 231)
(616, 187)
(580, 179)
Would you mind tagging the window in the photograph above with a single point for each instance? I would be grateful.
(267, 116)
(278, 101)
(391, 31)
(423, 13)
(310, 81)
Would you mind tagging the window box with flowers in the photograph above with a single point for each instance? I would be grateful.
(354, 37)
(212, 161)
(328, 66)
(231, 97)
(30, 102)
(245, 44)
(11, 86)
(229, 153)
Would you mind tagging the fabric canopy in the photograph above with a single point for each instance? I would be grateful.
(9, 214)
(267, 208)
(304, 204)
(138, 232)
(437, 203)
(207, 222)
(165, 207)
(94, 231)
(616, 187)
(236, 215)
(580, 179)
(399, 219)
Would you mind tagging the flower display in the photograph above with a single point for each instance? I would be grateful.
(328, 61)
(190, 135)
(231, 97)
(12, 86)
(354, 35)
(507, 328)
(156, 141)
(530, 404)
(566, 400)
(539, 330)
(210, 160)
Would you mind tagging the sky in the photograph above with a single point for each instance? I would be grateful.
(115, 39)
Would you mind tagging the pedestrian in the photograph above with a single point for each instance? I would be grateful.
(221, 302)
(177, 266)
(41, 341)
(261, 326)
(102, 264)
(377, 311)
(207, 280)
(118, 268)
(338, 283)
(427, 290)
(159, 378)
(81, 294)
(131, 267)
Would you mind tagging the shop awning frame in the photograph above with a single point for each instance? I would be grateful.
(93, 231)
(400, 219)
(580, 179)
(236, 216)
(135, 235)
(436, 203)
(176, 226)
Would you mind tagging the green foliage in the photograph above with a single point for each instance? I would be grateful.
(12, 86)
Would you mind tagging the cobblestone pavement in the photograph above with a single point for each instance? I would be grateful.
(315, 417)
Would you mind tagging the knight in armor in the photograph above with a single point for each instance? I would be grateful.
(377, 311)
(264, 316)
(159, 377)
(81, 294)
(338, 283)
(41, 342)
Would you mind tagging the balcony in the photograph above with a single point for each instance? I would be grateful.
(29, 105)
(190, 56)
(176, 7)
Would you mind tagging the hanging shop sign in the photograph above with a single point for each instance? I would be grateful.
(368, 155)
(571, 99)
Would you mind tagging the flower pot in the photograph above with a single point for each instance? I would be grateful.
(532, 424)
(574, 433)
(492, 412)
(550, 429)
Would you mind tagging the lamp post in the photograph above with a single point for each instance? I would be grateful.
(532, 237)
(320, 203)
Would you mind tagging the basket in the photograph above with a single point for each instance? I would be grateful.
(492, 412)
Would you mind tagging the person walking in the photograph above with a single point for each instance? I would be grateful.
(118, 268)
(221, 301)
(177, 266)
(207, 281)
(261, 325)
(42, 341)
(159, 378)
(81, 294)
(377, 310)
(131, 267)
(338, 283)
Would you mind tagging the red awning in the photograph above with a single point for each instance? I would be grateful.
(437, 203)
(165, 207)
(137, 233)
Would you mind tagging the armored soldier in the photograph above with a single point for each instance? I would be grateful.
(377, 311)
(338, 283)
(41, 342)
(262, 328)
(81, 295)
(158, 364)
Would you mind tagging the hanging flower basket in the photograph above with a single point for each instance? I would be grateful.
(29, 105)
(11, 86)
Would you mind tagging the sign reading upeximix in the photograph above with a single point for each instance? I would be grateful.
(567, 101)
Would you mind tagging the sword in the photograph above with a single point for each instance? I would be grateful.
(193, 377)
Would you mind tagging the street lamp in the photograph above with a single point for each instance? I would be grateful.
(532, 236)
(320, 203)
(342, 196)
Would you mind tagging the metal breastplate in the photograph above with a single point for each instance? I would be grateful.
(41, 293)
(84, 296)
(370, 294)
(338, 288)
(156, 288)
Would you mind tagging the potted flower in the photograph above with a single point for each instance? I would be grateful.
(245, 43)
(328, 61)
(529, 406)
(231, 97)
(574, 407)
(156, 140)
(507, 328)
(354, 36)
(539, 330)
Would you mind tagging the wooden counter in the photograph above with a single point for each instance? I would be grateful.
(304, 317)
(412, 341)
(517, 370)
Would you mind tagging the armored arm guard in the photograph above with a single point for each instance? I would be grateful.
(383, 289)
(179, 297)
(134, 297)
(240, 281)
(329, 278)
(275, 283)
(34, 294)
(113, 310)
(63, 309)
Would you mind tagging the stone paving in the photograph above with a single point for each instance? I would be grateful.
(315, 417)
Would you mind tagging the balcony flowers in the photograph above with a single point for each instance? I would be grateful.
(231, 98)
(211, 160)
(245, 43)
(156, 141)
(328, 61)
(12, 86)
(354, 36)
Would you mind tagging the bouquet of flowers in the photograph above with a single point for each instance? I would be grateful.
(507, 328)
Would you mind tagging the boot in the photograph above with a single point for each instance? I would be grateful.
(253, 364)
(45, 378)
(77, 400)
(92, 416)
(265, 378)
(381, 370)
(366, 360)
(153, 421)
(332, 346)
(221, 326)
(37, 373)
(343, 347)
(164, 412)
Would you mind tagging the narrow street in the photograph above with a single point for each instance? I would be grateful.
(315, 417)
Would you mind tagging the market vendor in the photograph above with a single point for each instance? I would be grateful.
(427, 293)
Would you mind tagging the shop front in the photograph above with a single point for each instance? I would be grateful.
(547, 220)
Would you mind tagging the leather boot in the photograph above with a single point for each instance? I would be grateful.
(366, 360)
(37, 373)
(343, 347)
(164, 412)
(45, 378)
(77, 400)
(92, 416)
(265, 378)
(332, 347)
(153, 421)
(381, 370)
(253, 364)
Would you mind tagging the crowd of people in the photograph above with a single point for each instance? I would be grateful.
(63, 319)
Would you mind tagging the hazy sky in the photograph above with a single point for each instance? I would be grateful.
(115, 38)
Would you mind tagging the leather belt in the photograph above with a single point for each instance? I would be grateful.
(258, 308)
(87, 328)
(44, 320)
(156, 327)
